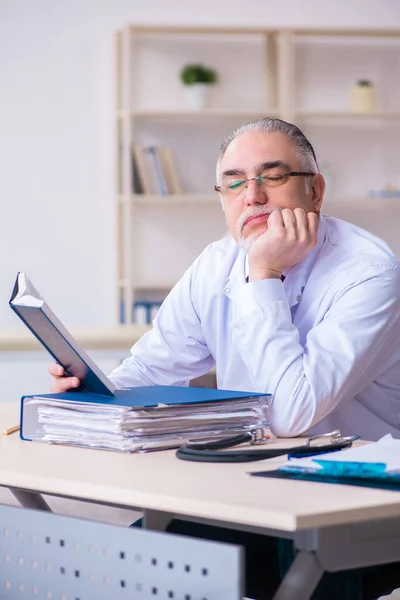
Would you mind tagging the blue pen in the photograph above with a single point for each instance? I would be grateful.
(308, 450)
(314, 452)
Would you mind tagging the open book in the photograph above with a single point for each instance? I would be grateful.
(32, 309)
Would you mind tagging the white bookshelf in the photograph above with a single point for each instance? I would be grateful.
(204, 115)
(181, 199)
(302, 76)
(98, 338)
(346, 115)
(372, 203)
(155, 285)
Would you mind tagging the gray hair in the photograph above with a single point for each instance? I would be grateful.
(302, 146)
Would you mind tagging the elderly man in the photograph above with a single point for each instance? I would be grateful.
(300, 305)
(303, 306)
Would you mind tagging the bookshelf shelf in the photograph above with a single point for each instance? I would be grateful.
(154, 285)
(159, 234)
(99, 338)
(360, 203)
(361, 34)
(204, 115)
(183, 199)
(347, 115)
(190, 200)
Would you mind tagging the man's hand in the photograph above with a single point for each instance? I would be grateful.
(61, 383)
(290, 236)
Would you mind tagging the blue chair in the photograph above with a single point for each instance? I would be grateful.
(51, 557)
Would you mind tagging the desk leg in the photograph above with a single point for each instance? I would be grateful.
(156, 520)
(30, 499)
(302, 578)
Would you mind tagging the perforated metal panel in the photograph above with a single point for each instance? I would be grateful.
(52, 557)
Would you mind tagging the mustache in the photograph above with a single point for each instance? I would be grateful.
(253, 211)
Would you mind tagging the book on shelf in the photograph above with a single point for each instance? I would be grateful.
(137, 185)
(154, 170)
(169, 167)
(155, 159)
(145, 311)
(145, 183)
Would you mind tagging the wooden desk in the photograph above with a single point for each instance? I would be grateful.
(363, 523)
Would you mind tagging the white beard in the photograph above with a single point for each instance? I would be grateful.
(246, 243)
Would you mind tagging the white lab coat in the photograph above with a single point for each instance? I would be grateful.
(325, 342)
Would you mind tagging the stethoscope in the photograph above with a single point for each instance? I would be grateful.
(211, 451)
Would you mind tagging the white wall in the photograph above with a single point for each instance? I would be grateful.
(56, 131)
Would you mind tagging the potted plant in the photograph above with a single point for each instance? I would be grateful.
(363, 97)
(197, 80)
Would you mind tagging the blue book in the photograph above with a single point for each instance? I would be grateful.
(33, 310)
(160, 177)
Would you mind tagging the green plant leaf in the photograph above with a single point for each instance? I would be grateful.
(198, 73)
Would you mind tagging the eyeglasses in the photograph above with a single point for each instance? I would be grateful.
(235, 187)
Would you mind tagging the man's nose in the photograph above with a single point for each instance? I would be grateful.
(254, 193)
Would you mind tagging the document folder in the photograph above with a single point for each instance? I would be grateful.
(142, 418)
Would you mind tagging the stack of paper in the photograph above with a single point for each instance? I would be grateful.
(380, 460)
(132, 429)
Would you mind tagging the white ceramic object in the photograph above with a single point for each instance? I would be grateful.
(197, 95)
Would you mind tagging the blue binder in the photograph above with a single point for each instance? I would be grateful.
(138, 397)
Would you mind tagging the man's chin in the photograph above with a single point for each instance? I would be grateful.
(246, 243)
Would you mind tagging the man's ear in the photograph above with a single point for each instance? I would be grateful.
(317, 191)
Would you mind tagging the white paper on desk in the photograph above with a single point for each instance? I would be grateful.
(386, 451)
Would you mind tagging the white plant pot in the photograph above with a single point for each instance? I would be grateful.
(197, 95)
